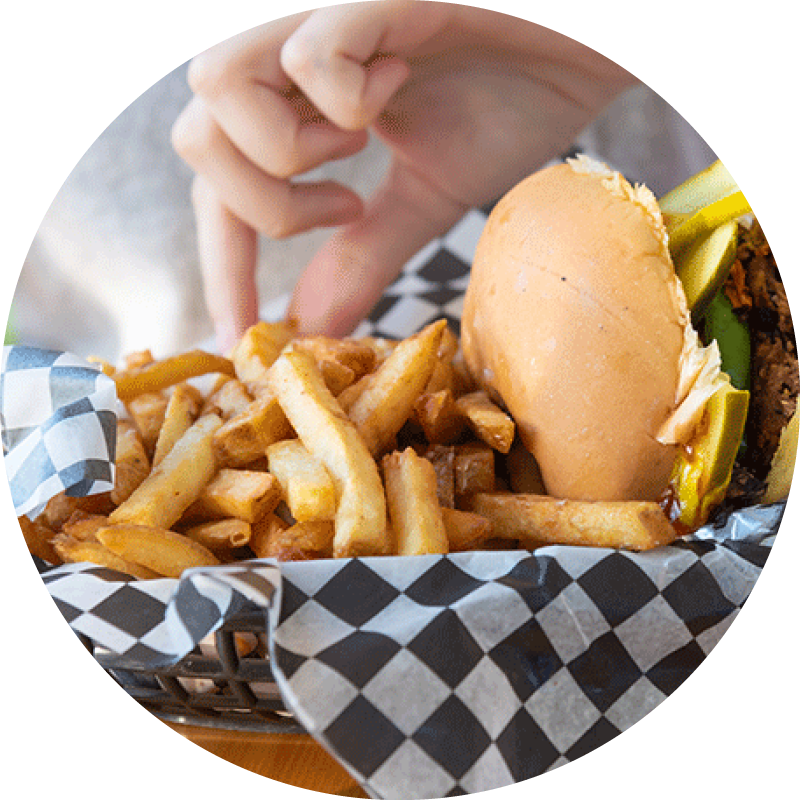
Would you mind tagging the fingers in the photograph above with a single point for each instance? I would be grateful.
(256, 105)
(342, 58)
(349, 274)
(273, 206)
(228, 250)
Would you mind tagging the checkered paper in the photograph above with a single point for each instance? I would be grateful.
(57, 414)
(442, 675)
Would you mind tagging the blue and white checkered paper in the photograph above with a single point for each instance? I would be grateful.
(58, 419)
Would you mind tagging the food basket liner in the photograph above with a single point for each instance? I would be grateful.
(424, 676)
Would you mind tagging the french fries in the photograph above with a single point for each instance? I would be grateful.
(162, 551)
(247, 495)
(221, 536)
(414, 509)
(75, 551)
(334, 440)
(155, 376)
(160, 500)
(536, 521)
(132, 463)
(180, 412)
(490, 423)
(305, 485)
(308, 447)
(388, 400)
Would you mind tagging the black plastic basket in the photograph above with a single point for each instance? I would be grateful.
(219, 686)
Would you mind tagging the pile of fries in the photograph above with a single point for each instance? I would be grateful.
(302, 447)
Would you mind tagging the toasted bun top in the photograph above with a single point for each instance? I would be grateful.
(574, 319)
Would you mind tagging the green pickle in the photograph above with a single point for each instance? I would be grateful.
(733, 338)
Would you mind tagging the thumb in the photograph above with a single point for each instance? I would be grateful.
(348, 275)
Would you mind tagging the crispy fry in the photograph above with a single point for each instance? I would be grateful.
(474, 469)
(75, 551)
(228, 399)
(39, 539)
(299, 542)
(436, 413)
(333, 439)
(257, 350)
(490, 423)
(61, 507)
(84, 527)
(132, 463)
(263, 533)
(147, 412)
(158, 375)
(163, 551)
(305, 484)
(337, 376)
(465, 530)
(387, 402)
(443, 458)
(244, 438)
(347, 397)
(221, 536)
(357, 356)
(181, 412)
(536, 520)
(244, 494)
(161, 499)
(414, 510)
(442, 377)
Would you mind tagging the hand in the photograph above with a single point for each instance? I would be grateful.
(468, 101)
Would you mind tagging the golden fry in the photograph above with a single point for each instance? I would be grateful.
(228, 399)
(244, 438)
(414, 510)
(306, 486)
(147, 411)
(436, 413)
(474, 469)
(243, 494)
(161, 499)
(39, 539)
(299, 542)
(84, 527)
(158, 375)
(443, 458)
(465, 530)
(221, 536)
(75, 551)
(132, 464)
(257, 350)
(388, 401)
(163, 551)
(490, 423)
(333, 439)
(181, 412)
(537, 520)
(357, 356)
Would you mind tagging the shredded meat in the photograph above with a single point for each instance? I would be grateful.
(758, 296)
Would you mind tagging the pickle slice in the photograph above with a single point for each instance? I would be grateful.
(684, 231)
(699, 191)
(703, 471)
(704, 266)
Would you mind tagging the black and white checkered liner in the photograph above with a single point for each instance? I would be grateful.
(442, 675)
(57, 414)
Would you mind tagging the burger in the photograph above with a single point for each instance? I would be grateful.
(577, 322)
